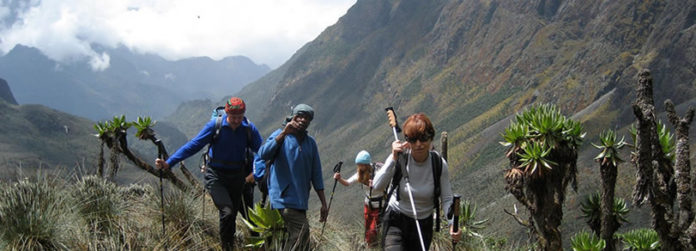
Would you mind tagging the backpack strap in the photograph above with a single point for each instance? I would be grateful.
(248, 153)
(216, 131)
(437, 172)
(398, 175)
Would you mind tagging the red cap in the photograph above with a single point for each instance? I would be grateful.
(235, 106)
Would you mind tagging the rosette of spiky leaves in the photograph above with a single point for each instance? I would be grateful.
(470, 226)
(541, 126)
(667, 143)
(102, 129)
(585, 241)
(514, 135)
(144, 127)
(592, 211)
(572, 133)
(546, 124)
(609, 146)
(620, 209)
(533, 157)
(270, 226)
(119, 124)
(642, 239)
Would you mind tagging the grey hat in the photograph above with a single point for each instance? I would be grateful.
(303, 109)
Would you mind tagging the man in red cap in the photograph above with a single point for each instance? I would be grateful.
(227, 158)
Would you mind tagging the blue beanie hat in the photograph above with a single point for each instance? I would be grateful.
(363, 158)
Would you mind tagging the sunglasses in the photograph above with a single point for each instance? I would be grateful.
(421, 138)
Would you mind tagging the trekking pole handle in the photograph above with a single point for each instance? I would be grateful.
(337, 167)
(393, 122)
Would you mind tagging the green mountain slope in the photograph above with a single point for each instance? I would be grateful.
(470, 66)
(33, 135)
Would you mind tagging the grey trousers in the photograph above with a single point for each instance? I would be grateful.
(298, 229)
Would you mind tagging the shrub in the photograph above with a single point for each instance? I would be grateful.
(31, 216)
(642, 239)
(585, 241)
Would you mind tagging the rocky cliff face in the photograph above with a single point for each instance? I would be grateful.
(6, 93)
(460, 61)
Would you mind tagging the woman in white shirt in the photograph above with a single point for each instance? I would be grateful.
(417, 165)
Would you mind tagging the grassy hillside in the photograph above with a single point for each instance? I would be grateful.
(34, 135)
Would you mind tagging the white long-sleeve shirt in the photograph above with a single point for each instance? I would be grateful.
(422, 185)
(374, 193)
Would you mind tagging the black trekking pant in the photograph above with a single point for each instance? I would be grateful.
(225, 187)
(401, 232)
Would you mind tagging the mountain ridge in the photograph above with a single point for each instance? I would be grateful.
(133, 84)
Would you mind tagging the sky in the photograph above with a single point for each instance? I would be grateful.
(266, 31)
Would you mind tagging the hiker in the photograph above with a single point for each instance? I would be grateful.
(416, 161)
(294, 166)
(373, 198)
(225, 173)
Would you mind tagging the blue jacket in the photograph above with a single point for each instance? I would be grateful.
(229, 146)
(259, 167)
(296, 165)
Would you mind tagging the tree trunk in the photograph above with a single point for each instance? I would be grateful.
(610, 224)
(546, 196)
(113, 168)
(100, 161)
(168, 174)
(644, 110)
(682, 165)
(654, 178)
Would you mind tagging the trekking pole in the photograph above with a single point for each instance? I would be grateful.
(395, 128)
(336, 169)
(160, 154)
(455, 218)
(443, 143)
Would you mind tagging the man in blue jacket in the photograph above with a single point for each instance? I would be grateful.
(295, 167)
(225, 174)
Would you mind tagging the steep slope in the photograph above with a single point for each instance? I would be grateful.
(470, 66)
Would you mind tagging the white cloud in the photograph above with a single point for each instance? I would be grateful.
(267, 31)
(99, 62)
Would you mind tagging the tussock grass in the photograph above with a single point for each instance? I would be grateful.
(32, 215)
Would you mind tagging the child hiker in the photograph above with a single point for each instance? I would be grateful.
(373, 197)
